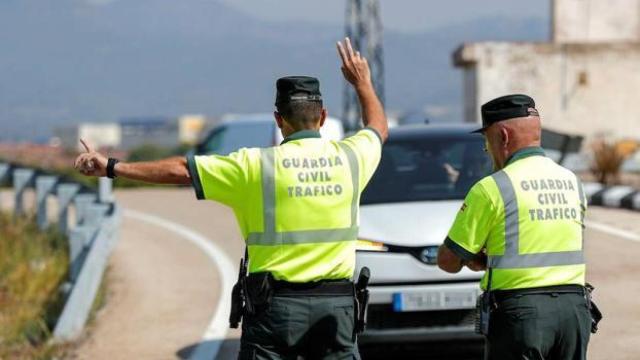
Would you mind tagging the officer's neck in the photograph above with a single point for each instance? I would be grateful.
(513, 152)
(288, 131)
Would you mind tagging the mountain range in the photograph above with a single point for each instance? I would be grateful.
(68, 61)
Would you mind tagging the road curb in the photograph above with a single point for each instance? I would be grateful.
(619, 196)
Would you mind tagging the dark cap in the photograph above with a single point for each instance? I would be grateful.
(505, 108)
(297, 88)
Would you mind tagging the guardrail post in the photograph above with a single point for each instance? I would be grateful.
(82, 202)
(80, 238)
(21, 179)
(66, 193)
(95, 213)
(105, 186)
(44, 186)
(4, 176)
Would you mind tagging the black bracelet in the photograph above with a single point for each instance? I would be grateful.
(111, 164)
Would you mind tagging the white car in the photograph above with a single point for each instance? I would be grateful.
(406, 212)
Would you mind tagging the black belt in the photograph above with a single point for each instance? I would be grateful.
(323, 287)
(500, 295)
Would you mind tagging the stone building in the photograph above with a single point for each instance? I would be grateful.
(586, 80)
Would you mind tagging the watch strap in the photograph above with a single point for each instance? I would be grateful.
(111, 164)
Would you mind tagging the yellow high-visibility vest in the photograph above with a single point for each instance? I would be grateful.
(529, 218)
(297, 203)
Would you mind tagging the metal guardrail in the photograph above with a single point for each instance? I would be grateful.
(91, 238)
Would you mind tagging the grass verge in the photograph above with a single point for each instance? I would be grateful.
(33, 265)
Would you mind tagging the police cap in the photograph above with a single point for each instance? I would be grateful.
(505, 108)
(297, 88)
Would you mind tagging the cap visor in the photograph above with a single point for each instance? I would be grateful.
(479, 131)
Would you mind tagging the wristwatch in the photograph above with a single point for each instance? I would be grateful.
(111, 164)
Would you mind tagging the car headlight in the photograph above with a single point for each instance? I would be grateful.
(429, 255)
(366, 245)
(425, 254)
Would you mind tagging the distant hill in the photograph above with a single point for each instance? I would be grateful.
(64, 61)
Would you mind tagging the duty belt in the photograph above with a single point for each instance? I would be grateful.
(323, 288)
(500, 295)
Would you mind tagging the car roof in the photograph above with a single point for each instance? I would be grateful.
(408, 132)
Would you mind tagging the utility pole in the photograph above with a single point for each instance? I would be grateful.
(364, 27)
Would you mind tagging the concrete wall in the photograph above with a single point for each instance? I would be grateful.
(580, 21)
(584, 89)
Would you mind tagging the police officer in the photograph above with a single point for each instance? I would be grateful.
(525, 224)
(297, 207)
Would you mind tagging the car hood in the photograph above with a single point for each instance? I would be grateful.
(417, 223)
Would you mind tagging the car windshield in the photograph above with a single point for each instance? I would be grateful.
(435, 168)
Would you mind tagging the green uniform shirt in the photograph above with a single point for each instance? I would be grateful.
(528, 218)
(297, 203)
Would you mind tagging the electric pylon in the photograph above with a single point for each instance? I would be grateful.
(364, 28)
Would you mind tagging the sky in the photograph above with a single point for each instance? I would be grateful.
(399, 15)
(60, 90)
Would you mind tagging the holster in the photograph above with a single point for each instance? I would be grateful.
(362, 301)
(484, 306)
(258, 288)
(239, 294)
(483, 313)
(596, 315)
(237, 305)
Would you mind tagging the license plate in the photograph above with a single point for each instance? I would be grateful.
(435, 300)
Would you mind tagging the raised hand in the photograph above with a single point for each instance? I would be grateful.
(91, 163)
(354, 66)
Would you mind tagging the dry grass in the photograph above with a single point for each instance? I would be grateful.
(33, 265)
(607, 160)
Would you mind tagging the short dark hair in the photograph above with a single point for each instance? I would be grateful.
(300, 113)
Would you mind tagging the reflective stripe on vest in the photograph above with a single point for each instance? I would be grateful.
(511, 258)
(270, 237)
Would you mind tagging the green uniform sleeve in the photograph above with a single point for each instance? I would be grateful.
(367, 146)
(220, 178)
(472, 225)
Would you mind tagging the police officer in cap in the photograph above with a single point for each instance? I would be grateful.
(524, 225)
(297, 208)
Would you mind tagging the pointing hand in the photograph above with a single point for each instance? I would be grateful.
(91, 163)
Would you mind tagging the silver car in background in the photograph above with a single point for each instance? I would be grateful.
(406, 212)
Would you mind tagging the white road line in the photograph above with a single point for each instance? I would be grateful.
(216, 331)
(613, 231)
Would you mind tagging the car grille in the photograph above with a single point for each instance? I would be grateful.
(383, 317)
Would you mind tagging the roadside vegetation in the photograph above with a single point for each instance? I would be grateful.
(608, 158)
(33, 266)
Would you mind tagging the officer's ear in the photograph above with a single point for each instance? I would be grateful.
(323, 117)
(279, 119)
(504, 136)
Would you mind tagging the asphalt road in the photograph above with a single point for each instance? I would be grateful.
(177, 288)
